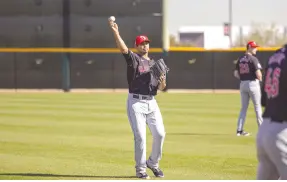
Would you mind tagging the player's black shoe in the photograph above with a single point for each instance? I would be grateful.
(143, 176)
(242, 133)
(156, 171)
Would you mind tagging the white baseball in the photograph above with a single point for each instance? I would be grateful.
(112, 18)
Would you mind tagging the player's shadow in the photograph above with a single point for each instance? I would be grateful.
(62, 175)
(199, 134)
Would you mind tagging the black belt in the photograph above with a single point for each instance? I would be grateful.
(248, 80)
(143, 97)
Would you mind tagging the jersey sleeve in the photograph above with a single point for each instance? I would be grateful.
(256, 63)
(130, 58)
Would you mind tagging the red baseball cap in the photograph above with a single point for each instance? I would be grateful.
(252, 44)
(140, 39)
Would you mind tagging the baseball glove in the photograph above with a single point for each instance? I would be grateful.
(158, 68)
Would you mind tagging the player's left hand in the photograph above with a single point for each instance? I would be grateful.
(162, 82)
(161, 78)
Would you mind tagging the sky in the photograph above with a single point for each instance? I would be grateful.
(216, 12)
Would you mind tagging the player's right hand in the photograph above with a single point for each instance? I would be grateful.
(114, 26)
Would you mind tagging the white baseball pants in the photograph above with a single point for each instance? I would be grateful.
(272, 150)
(141, 112)
(249, 89)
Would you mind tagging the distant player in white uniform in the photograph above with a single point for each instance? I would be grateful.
(248, 70)
(272, 135)
(142, 108)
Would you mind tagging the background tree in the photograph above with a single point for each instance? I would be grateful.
(265, 36)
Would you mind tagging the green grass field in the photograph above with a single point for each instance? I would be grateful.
(88, 136)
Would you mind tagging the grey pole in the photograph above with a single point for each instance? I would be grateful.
(230, 23)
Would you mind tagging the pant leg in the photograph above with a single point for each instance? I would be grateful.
(244, 105)
(156, 126)
(266, 169)
(137, 119)
(276, 146)
(255, 95)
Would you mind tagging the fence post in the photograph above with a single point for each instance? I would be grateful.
(66, 44)
(66, 73)
(213, 70)
(15, 71)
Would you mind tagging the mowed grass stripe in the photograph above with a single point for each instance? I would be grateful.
(73, 105)
(202, 107)
(70, 106)
(118, 115)
(119, 98)
(112, 119)
(194, 100)
(109, 108)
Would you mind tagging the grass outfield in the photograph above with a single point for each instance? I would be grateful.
(88, 136)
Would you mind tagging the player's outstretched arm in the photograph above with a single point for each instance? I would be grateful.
(119, 41)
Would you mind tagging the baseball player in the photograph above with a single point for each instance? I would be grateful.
(248, 70)
(272, 135)
(142, 108)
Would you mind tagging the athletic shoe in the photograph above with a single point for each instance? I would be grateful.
(143, 176)
(242, 133)
(156, 171)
